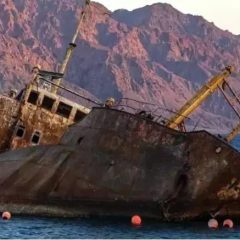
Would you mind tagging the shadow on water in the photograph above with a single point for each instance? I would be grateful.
(28, 227)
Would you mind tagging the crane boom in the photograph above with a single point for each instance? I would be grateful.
(199, 97)
(235, 131)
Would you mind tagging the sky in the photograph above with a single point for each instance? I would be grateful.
(224, 13)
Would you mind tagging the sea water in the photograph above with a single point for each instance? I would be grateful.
(33, 227)
(29, 227)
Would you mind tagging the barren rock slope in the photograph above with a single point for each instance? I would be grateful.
(154, 54)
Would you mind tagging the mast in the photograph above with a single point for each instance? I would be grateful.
(199, 97)
(71, 47)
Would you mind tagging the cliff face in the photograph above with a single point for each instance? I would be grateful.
(154, 54)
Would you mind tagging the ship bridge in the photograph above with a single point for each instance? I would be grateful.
(39, 114)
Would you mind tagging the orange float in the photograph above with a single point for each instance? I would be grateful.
(228, 223)
(136, 220)
(6, 215)
(213, 223)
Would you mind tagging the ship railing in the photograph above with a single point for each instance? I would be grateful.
(70, 92)
(79, 95)
(153, 111)
(160, 114)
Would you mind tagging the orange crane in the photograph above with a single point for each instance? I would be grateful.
(235, 131)
(177, 121)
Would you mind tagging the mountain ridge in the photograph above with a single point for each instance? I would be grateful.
(155, 53)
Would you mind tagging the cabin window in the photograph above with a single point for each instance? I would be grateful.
(47, 103)
(64, 110)
(20, 131)
(36, 138)
(20, 95)
(79, 116)
(33, 97)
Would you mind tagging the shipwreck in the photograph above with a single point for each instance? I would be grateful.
(60, 158)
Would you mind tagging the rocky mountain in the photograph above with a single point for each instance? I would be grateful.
(153, 54)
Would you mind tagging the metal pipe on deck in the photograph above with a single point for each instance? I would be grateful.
(235, 131)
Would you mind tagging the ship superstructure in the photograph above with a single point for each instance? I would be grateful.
(38, 114)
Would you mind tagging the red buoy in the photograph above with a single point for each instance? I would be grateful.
(6, 215)
(136, 220)
(213, 223)
(228, 223)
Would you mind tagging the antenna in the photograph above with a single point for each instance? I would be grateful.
(71, 47)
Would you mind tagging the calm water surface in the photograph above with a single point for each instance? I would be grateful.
(26, 227)
(29, 227)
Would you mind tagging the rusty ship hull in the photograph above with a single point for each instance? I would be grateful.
(113, 163)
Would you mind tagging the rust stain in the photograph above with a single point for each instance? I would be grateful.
(230, 191)
(30, 121)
